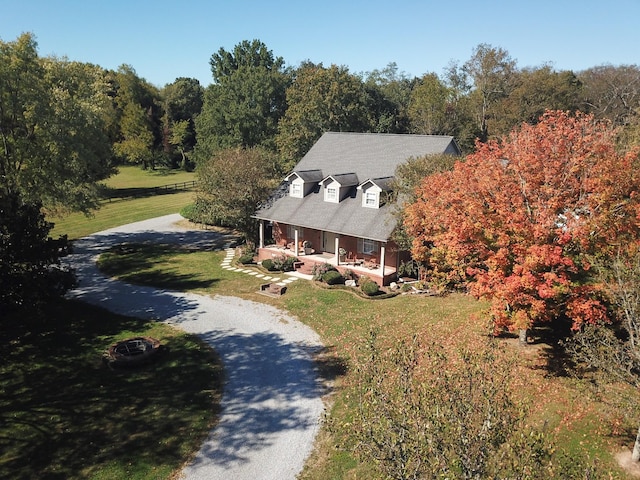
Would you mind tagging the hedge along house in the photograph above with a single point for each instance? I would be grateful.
(336, 202)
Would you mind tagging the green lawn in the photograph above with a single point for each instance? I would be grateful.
(580, 425)
(118, 213)
(122, 211)
(66, 414)
(134, 177)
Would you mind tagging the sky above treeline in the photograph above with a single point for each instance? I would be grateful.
(163, 40)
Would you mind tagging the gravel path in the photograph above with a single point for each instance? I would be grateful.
(272, 402)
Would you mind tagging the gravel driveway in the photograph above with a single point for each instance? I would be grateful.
(272, 402)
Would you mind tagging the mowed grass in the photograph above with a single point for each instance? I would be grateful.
(66, 414)
(122, 211)
(580, 424)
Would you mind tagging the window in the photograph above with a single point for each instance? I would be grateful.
(296, 190)
(367, 246)
(331, 194)
(291, 231)
(370, 199)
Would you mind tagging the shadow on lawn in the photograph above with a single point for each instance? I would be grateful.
(149, 264)
(65, 414)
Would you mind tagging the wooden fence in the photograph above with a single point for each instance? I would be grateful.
(124, 193)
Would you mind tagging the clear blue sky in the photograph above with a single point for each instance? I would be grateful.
(166, 39)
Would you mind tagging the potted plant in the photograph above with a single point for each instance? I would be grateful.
(342, 253)
(307, 247)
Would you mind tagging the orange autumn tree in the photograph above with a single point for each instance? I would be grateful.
(517, 220)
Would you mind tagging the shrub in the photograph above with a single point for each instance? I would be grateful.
(332, 277)
(284, 263)
(287, 265)
(188, 212)
(422, 415)
(269, 265)
(350, 275)
(195, 213)
(246, 258)
(406, 287)
(369, 287)
(319, 269)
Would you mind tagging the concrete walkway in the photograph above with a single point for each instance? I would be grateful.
(272, 402)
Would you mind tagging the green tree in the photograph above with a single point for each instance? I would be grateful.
(180, 135)
(491, 70)
(182, 102)
(533, 91)
(321, 100)
(461, 110)
(139, 138)
(390, 93)
(231, 185)
(429, 107)
(136, 144)
(612, 92)
(30, 271)
(54, 149)
(52, 118)
(247, 99)
(406, 180)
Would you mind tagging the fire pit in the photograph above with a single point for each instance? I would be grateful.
(132, 351)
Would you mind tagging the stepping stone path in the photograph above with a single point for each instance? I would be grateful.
(228, 259)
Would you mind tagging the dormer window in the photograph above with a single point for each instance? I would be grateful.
(302, 183)
(375, 191)
(337, 187)
(296, 190)
(370, 199)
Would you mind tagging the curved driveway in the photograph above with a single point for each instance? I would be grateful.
(272, 405)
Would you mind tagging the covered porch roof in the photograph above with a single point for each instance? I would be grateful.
(345, 218)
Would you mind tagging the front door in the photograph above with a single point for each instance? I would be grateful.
(329, 242)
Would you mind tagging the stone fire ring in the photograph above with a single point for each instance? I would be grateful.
(132, 351)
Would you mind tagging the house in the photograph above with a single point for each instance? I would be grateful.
(336, 200)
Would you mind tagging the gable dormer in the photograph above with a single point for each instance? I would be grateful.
(375, 191)
(337, 187)
(301, 183)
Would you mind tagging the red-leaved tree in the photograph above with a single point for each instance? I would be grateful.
(517, 220)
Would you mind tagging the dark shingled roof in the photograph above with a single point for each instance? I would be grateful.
(362, 156)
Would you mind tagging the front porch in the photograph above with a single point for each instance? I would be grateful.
(381, 274)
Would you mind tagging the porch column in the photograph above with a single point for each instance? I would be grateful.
(382, 252)
(337, 249)
(295, 242)
(261, 242)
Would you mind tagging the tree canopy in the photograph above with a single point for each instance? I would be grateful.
(243, 106)
(52, 127)
(321, 100)
(517, 220)
(54, 148)
(231, 185)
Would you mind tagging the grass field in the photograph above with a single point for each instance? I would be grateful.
(65, 414)
(120, 212)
